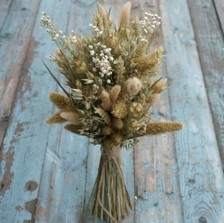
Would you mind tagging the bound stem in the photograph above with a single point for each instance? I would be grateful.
(111, 200)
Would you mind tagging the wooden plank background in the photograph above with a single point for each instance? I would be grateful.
(47, 174)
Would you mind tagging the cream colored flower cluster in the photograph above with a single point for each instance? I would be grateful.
(150, 23)
(58, 36)
(102, 60)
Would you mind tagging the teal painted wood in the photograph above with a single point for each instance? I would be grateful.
(210, 43)
(4, 9)
(200, 173)
(219, 6)
(26, 139)
(15, 38)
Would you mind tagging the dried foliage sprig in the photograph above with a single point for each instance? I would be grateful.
(113, 82)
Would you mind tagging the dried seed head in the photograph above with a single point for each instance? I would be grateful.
(108, 144)
(119, 109)
(117, 123)
(105, 99)
(161, 127)
(132, 86)
(103, 114)
(149, 61)
(106, 130)
(72, 128)
(81, 68)
(133, 125)
(125, 14)
(56, 118)
(71, 117)
(59, 100)
(159, 86)
(142, 99)
(135, 109)
(117, 138)
(114, 92)
(103, 14)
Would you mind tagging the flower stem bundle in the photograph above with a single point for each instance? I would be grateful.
(111, 199)
(113, 80)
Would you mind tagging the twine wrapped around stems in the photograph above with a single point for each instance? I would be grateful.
(111, 200)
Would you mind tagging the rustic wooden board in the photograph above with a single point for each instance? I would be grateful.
(26, 139)
(4, 10)
(200, 173)
(219, 6)
(15, 38)
(210, 43)
(156, 180)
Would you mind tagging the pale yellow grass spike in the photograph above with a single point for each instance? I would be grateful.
(149, 61)
(72, 128)
(104, 15)
(125, 15)
(59, 100)
(154, 128)
(55, 118)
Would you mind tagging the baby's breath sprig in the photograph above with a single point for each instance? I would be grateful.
(149, 24)
(103, 61)
(57, 35)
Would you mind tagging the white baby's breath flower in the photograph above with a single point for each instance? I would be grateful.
(96, 30)
(150, 23)
(92, 52)
(102, 60)
(48, 24)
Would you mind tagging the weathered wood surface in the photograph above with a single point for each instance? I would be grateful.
(15, 37)
(200, 172)
(210, 43)
(47, 174)
(219, 6)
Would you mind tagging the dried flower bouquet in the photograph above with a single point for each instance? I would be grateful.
(112, 83)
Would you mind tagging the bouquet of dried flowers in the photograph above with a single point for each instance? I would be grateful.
(112, 83)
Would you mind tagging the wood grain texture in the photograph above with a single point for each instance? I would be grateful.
(26, 140)
(156, 183)
(219, 6)
(210, 43)
(200, 173)
(4, 10)
(15, 38)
